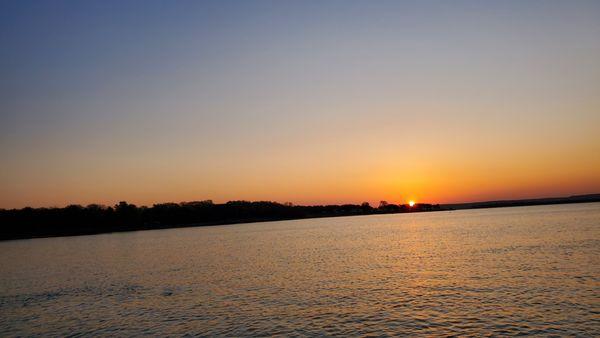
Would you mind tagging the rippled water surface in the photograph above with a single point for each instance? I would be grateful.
(525, 270)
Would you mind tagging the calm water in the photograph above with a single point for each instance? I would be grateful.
(527, 270)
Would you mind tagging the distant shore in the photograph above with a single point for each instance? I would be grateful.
(77, 220)
(523, 202)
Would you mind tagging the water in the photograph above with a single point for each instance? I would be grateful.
(526, 270)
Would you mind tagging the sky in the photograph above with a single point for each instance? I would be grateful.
(308, 102)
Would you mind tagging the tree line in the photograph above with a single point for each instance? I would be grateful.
(95, 218)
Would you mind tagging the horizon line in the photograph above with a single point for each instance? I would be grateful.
(309, 205)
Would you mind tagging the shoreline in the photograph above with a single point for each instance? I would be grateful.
(232, 221)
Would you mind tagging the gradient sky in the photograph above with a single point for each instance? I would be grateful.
(302, 101)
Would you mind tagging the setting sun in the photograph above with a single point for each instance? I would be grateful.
(411, 203)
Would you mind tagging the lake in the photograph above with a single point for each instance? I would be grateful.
(505, 271)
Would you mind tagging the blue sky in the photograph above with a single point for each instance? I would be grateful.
(311, 102)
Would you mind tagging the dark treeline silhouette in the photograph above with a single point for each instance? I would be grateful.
(94, 218)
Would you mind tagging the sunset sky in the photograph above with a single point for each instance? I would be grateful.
(307, 102)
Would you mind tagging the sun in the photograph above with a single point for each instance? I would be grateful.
(411, 203)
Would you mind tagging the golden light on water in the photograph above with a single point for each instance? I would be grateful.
(411, 203)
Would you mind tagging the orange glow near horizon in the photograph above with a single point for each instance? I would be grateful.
(411, 203)
(310, 179)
